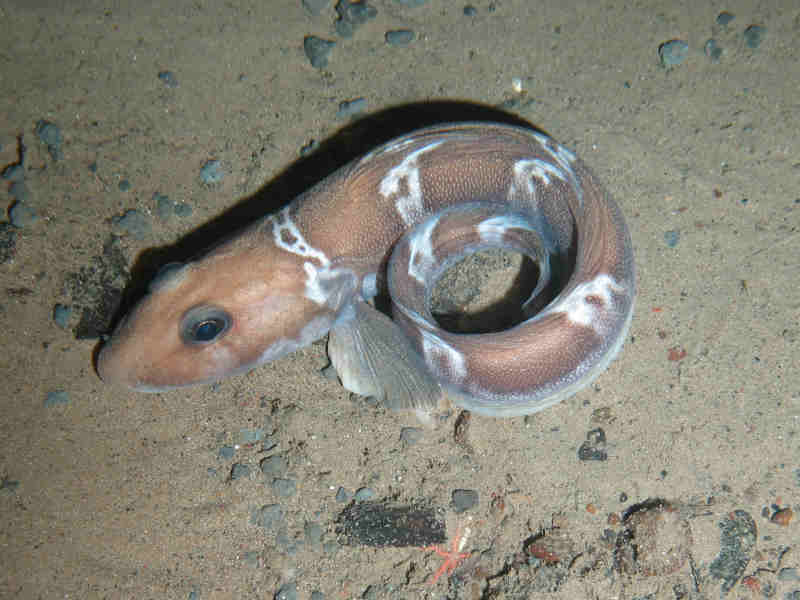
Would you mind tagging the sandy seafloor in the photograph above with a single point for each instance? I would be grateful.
(113, 494)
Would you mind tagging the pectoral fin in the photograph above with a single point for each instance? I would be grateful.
(373, 357)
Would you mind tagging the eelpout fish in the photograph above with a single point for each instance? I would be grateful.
(397, 219)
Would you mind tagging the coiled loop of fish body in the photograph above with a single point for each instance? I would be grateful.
(465, 188)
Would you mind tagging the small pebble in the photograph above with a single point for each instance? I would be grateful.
(673, 52)
(363, 494)
(274, 466)
(672, 237)
(305, 151)
(712, 50)
(461, 428)
(226, 452)
(239, 471)
(285, 488)
(754, 35)
(724, 18)
(132, 222)
(738, 542)
(8, 486)
(463, 500)
(55, 398)
(553, 546)
(268, 516)
(352, 14)
(164, 206)
(50, 134)
(251, 558)
(250, 436)
(169, 79)
(286, 544)
(61, 315)
(183, 210)
(315, 7)
(411, 435)
(350, 108)
(313, 533)
(317, 50)
(788, 574)
(399, 37)
(269, 443)
(594, 448)
(212, 172)
(782, 517)
(288, 591)
(22, 215)
(342, 495)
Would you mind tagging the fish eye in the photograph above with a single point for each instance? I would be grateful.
(204, 324)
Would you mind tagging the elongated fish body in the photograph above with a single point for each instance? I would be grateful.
(398, 218)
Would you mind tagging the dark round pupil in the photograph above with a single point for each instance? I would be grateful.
(207, 330)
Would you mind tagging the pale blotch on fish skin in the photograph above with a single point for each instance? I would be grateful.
(494, 229)
(410, 206)
(323, 284)
(421, 258)
(527, 169)
(329, 287)
(369, 286)
(437, 350)
(282, 222)
(582, 312)
(565, 158)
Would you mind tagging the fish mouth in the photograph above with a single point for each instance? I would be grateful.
(113, 369)
(113, 373)
(124, 371)
(109, 367)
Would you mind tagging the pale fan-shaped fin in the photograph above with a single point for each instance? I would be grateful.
(373, 357)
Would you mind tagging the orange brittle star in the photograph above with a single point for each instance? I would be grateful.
(453, 557)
